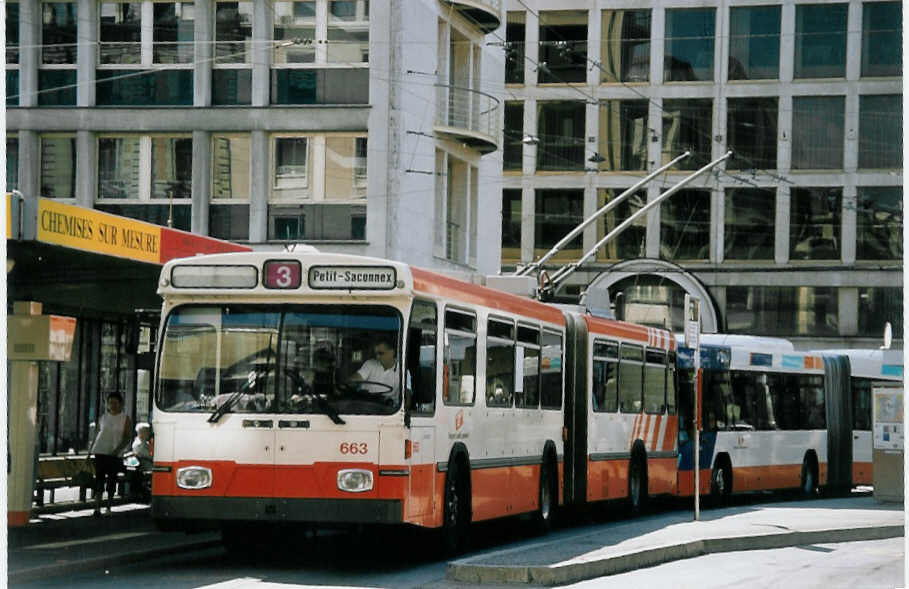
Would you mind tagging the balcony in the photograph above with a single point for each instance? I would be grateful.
(486, 14)
(469, 116)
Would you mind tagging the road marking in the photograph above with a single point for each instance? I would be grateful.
(67, 543)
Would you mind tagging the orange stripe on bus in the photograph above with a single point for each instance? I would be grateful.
(600, 326)
(672, 432)
(656, 433)
(443, 286)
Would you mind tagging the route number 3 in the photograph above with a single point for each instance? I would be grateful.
(283, 274)
(353, 448)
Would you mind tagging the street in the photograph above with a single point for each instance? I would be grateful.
(406, 558)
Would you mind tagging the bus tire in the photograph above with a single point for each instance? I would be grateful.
(549, 494)
(637, 484)
(456, 513)
(720, 484)
(809, 486)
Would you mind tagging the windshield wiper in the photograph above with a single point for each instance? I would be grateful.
(329, 409)
(226, 406)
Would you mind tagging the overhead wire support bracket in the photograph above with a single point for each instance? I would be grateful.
(553, 282)
(605, 209)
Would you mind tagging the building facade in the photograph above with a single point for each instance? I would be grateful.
(798, 235)
(354, 126)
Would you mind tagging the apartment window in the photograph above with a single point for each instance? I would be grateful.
(754, 42)
(125, 55)
(882, 42)
(513, 148)
(348, 31)
(345, 167)
(630, 243)
(820, 40)
(782, 310)
(557, 213)
(689, 44)
(876, 307)
(751, 126)
(171, 167)
(685, 226)
(119, 167)
(879, 223)
(12, 162)
(233, 32)
(515, 29)
(231, 168)
(317, 222)
(291, 171)
(625, 46)
(511, 225)
(341, 38)
(749, 223)
(12, 53)
(815, 223)
(687, 126)
(563, 46)
(59, 47)
(560, 127)
(58, 166)
(881, 131)
(818, 124)
(624, 135)
(295, 20)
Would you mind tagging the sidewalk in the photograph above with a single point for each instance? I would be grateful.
(55, 544)
(648, 541)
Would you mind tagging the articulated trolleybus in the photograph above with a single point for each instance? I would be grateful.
(330, 390)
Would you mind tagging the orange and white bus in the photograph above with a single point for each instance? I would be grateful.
(330, 389)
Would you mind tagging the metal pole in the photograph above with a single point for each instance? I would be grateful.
(564, 272)
(605, 209)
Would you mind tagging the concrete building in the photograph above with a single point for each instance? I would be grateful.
(798, 236)
(353, 126)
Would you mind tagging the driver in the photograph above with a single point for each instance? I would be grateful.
(383, 369)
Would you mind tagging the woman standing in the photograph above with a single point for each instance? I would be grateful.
(114, 435)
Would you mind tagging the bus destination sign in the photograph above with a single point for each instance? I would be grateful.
(352, 277)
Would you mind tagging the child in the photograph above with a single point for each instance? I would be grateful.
(141, 446)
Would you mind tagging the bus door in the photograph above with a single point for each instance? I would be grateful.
(420, 385)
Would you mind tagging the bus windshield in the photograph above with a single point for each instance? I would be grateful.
(329, 359)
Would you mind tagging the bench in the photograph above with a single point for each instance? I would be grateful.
(55, 472)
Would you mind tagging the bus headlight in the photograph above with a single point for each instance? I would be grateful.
(194, 477)
(355, 480)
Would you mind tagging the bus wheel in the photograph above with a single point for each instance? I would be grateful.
(548, 499)
(456, 514)
(720, 485)
(809, 479)
(637, 485)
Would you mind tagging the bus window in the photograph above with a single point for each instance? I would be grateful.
(605, 377)
(460, 358)
(671, 385)
(499, 363)
(527, 362)
(655, 381)
(720, 410)
(420, 379)
(631, 378)
(753, 400)
(784, 393)
(552, 370)
(861, 404)
(811, 397)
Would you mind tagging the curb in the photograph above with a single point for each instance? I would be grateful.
(560, 574)
(59, 569)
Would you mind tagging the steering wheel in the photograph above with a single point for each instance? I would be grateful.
(365, 387)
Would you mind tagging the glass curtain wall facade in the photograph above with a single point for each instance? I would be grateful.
(809, 100)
